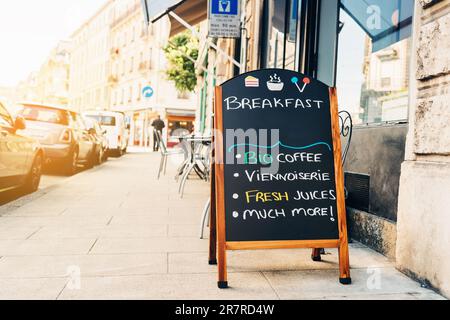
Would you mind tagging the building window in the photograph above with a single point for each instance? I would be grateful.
(372, 71)
(130, 95)
(131, 64)
(386, 82)
(150, 29)
(150, 64)
(279, 49)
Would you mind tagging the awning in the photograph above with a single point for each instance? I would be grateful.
(183, 14)
(187, 113)
(385, 21)
(126, 109)
(191, 11)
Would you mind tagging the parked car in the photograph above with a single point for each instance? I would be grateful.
(21, 157)
(62, 133)
(116, 129)
(99, 138)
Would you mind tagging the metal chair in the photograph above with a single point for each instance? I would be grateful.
(165, 153)
(200, 157)
(346, 127)
(184, 145)
(205, 217)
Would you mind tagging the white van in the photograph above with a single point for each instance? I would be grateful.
(116, 129)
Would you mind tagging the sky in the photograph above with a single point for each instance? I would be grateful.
(30, 29)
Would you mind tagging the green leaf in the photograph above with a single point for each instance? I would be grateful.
(181, 70)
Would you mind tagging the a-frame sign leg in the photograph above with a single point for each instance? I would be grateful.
(222, 267)
(212, 260)
(315, 255)
(344, 264)
(221, 249)
(219, 191)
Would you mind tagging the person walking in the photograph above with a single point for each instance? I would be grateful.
(158, 125)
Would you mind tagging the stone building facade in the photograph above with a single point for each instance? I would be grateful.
(423, 226)
(50, 84)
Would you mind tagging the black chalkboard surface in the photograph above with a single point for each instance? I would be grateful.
(279, 186)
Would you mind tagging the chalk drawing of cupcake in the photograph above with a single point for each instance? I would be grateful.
(275, 83)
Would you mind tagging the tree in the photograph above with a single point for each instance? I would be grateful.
(182, 69)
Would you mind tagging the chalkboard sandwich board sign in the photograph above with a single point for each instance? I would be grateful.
(278, 172)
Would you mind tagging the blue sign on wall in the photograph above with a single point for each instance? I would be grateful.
(226, 7)
(148, 92)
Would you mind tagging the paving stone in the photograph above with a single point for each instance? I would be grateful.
(194, 287)
(317, 284)
(133, 237)
(89, 265)
(31, 289)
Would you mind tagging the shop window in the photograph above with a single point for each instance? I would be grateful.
(280, 34)
(178, 127)
(373, 60)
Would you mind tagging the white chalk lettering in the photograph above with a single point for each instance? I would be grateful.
(315, 195)
(264, 214)
(233, 103)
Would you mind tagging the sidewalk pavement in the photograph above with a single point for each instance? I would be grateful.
(115, 232)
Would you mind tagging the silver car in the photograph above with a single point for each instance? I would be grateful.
(66, 140)
(21, 157)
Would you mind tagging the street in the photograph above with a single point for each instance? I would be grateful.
(115, 232)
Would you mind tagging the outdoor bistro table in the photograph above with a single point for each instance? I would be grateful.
(191, 145)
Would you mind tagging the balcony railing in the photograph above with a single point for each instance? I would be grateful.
(113, 80)
(115, 52)
(144, 66)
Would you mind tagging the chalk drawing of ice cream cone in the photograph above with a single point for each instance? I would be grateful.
(275, 83)
(302, 87)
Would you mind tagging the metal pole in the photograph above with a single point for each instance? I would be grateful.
(195, 33)
(244, 40)
(186, 56)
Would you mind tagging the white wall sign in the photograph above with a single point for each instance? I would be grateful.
(224, 18)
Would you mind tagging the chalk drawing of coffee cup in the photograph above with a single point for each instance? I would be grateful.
(275, 83)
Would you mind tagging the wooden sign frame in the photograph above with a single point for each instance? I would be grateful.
(218, 243)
